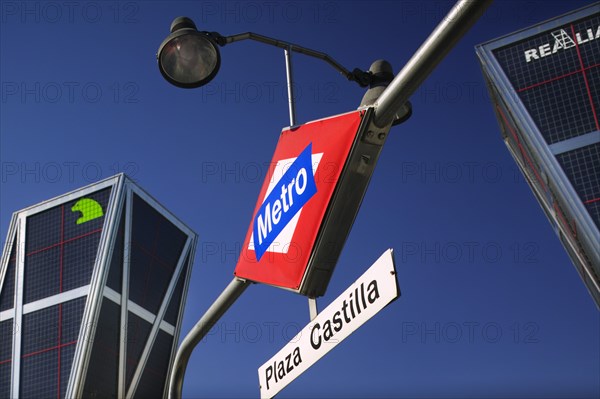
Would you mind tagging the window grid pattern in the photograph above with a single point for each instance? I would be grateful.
(7, 295)
(175, 302)
(60, 251)
(582, 167)
(586, 30)
(560, 108)
(561, 89)
(155, 251)
(66, 361)
(593, 77)
(102, 375)
(49, 336)
(521, 149)
(6, 341)
(569, 227)
(39, 376)
(115, 271)
(153, 381)
(524, 71)
(138, 331)
(594, 210)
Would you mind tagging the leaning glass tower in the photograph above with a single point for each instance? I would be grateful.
(544, 83)
(92, 289)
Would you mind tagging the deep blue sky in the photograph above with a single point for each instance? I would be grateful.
(491, 305)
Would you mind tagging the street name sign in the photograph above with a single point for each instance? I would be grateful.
(373, 291)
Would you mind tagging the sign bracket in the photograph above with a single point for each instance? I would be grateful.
(290, 85)
(312, 308)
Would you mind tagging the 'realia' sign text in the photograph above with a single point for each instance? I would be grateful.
(563, 39)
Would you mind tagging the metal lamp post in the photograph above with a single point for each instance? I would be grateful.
(189, 58)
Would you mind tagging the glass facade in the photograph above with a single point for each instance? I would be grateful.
(92, 291)
(544, 82)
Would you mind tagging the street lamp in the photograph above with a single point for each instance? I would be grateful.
(188, 58)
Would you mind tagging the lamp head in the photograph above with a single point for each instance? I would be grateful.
(381, 75)
(188, 58)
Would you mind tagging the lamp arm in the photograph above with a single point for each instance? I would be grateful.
(357, 75)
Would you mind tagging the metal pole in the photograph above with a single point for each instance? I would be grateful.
(290, 84)
(458, 21)
(293, 47)
(212, 315)
(448, 32)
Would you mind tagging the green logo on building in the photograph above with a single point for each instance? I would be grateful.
(89, 209)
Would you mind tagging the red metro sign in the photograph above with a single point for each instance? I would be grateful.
(307, 204)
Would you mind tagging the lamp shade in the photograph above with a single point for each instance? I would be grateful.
(188, 58)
